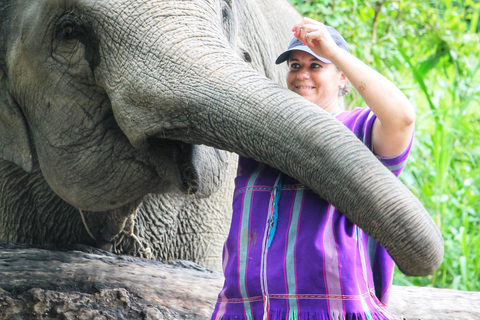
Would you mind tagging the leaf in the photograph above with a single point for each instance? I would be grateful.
(475, 19)
(441, 50)
(418, 77)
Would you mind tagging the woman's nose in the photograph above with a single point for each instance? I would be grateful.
(303, 74)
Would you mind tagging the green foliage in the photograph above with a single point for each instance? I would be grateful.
(430, 49)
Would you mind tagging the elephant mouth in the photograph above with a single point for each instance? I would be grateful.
(173, 160)
(188, 171)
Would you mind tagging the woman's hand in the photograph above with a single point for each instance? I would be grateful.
(316, 36)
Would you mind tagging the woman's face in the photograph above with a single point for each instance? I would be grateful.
(314, 80)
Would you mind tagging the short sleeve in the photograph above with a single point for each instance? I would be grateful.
(361, 121)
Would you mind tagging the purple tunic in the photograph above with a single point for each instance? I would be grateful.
(319, 265)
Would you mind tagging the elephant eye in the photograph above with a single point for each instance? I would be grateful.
(68, 31)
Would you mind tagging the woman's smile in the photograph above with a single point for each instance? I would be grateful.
(304, 87)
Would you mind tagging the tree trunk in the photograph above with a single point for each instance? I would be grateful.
(36, 283)
(434, 304)
(86, 283)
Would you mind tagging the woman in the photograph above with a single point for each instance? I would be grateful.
(289, 253)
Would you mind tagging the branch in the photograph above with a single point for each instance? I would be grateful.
(378, 7)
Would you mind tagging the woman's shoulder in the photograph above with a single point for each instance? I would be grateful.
(361, 118)
(355, 113)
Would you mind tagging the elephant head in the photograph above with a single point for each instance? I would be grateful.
(129, 98)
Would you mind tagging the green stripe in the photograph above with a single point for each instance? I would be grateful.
(290, 255)
(244, 238)
(398, 166)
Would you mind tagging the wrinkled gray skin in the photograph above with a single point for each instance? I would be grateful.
(110, 105)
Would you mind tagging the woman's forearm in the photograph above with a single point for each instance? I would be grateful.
(395, 114)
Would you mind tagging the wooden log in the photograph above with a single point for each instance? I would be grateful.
(425, 303)
(36, 283)
(41, 283)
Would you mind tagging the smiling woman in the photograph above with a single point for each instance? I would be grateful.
(316, 81)
(315, 77)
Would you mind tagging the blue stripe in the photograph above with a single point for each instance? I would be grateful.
(372, 250)
(277, 191)
(370, 115)
(244, 239)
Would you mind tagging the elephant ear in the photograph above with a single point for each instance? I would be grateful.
(14, 139)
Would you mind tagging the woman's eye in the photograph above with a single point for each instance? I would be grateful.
(315, 66)
(294, 66)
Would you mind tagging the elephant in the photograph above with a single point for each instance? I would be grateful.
(121, 121)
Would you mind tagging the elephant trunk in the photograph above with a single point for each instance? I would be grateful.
(218, 100)
(276, 126)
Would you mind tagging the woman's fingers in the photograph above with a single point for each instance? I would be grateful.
(303, 28)
(316, 36)
(300, 33)
(312, 36)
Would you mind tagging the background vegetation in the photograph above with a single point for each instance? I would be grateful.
(431, 50)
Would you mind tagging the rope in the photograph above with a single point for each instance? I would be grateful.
(145, 252)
